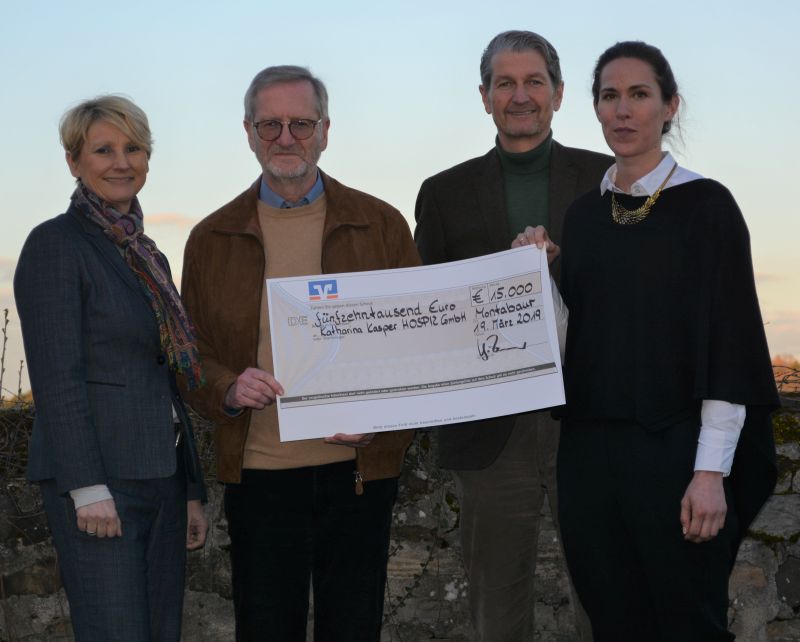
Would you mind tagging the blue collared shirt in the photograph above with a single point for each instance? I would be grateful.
(275, 200)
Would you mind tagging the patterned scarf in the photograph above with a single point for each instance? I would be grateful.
(148, 264)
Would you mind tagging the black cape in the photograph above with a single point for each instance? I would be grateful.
(664, 314)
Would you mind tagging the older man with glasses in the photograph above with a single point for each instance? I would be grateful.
(313, 513)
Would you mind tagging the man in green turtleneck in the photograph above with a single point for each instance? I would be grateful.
(504, 467)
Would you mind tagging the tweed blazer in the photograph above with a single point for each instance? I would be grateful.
(461, 214)
(223, 285)
(102, 388)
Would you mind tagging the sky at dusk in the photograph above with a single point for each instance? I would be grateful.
(404, 104)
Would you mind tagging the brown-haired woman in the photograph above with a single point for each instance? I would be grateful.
(667, 376)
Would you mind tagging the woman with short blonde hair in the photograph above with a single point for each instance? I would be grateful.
(105, 335)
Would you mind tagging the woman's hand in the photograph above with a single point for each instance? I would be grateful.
(537, 236)
(703, 507)
(99, 519)
(196, 525)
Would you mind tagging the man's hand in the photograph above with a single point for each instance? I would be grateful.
(356, 441)
(537, 236)
(703, 507)
(196, 525)
(254, 388)
(100, 519)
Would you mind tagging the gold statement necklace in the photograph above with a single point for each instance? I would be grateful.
(622, 216)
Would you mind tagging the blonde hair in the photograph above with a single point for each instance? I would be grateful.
(115, 109)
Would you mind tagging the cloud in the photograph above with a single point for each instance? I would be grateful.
(7, 267)
(769, 277)
(783, 331)
(177, 275)
(170, 219)
(785, 319)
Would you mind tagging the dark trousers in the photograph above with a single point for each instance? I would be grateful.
(499, 527)
(306, 527)
(129, 588)
(620, 489)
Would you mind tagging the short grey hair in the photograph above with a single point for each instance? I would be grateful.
(518, 42)
(283, 74)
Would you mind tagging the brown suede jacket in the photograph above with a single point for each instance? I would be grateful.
(222, 285)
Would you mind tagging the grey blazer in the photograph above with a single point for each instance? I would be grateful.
(102, 388)
(461, 214)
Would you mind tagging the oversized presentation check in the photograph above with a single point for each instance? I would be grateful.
(415, 347)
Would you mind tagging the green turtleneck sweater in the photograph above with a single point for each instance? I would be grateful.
(526, 177)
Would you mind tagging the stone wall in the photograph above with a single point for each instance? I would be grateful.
(426, 593)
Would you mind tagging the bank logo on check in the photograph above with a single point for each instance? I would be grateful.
(318, 290)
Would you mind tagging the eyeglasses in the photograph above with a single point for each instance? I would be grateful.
(299, 128)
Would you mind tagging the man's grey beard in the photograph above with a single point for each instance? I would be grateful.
(301, 171)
